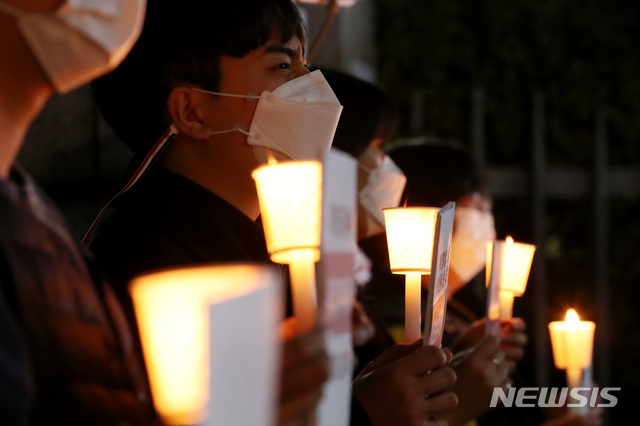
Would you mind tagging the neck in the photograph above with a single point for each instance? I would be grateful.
(219, 166)
(23, 93)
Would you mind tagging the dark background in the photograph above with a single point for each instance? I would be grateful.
(581, 56)
(430, 57)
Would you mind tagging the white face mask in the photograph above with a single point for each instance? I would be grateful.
(82, 39)
(295, 122)
(473, 229)
(383, 189)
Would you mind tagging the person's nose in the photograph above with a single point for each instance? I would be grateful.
(299, 71)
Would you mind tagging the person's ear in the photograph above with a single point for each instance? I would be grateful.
(183, 105)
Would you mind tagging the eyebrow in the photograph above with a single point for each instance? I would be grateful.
(276, 48)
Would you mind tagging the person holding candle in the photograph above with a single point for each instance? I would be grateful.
(66, 354)
(437, 173)
(214, 95)
(367, 123)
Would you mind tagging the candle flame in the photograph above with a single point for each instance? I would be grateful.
(509, 240)
(572, 317)
(270, 158)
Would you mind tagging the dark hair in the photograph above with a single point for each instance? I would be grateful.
(367, 112)
(436, 173)
(181, 43)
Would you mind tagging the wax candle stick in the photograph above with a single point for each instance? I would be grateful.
(572, 344)
(515, 268)
(290, 199)
(410, 232)
(413, 292)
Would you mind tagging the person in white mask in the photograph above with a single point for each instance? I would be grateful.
(368, 121)
(209, 92)
(222, 86)
(438, 172)
(66, 355)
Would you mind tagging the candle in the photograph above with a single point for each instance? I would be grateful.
(172, 311)
(572, 344)
(290, 204)
(410, 232)
(514, 273)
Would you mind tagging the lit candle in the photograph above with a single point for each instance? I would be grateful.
(172, 311)
(410, 232)
(290, 204)
(572, 344)
(515, 267)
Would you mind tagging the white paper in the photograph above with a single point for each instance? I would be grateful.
(493, 290)
(336, 283)
(245, 358)
(439, 279)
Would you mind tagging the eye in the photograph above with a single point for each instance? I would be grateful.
(283, 66)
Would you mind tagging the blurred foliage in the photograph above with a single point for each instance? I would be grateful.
(579, 54)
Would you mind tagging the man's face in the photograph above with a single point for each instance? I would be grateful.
(264, 68)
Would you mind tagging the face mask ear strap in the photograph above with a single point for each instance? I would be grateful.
(229, 95)
(164, 140)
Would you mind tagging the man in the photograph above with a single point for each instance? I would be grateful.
(66, 350)
(232, 93)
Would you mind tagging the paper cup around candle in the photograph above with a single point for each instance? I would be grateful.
(175, 324)
(516, 265)
(410, 238)
(572, 341)
(410, 232)
(290, 205)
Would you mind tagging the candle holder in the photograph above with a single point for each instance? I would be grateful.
(290, 204)
(572, 344)
(514, 271)
(238, 308)
(410, 232)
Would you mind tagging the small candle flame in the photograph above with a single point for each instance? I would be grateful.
(572, 317)
(509, 240)
(271, 160)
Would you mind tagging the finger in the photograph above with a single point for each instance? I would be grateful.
(485, 348)
(297, 407)
(305, 376)
(424, 360)
(514, 354)
(437, 381)
(516, 324)
(393, 354)
(498, 357)
(302, 347)
(441, 403)
(513, 338)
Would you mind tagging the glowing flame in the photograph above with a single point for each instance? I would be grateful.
(270, 158)
(572, 317)
(509, 240)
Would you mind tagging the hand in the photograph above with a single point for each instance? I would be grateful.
(513, 340)
(305, 368)
(363, 328)
(407, 385)
(482, 371)
(470, 337)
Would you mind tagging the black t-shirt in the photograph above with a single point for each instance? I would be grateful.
(167, 221)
